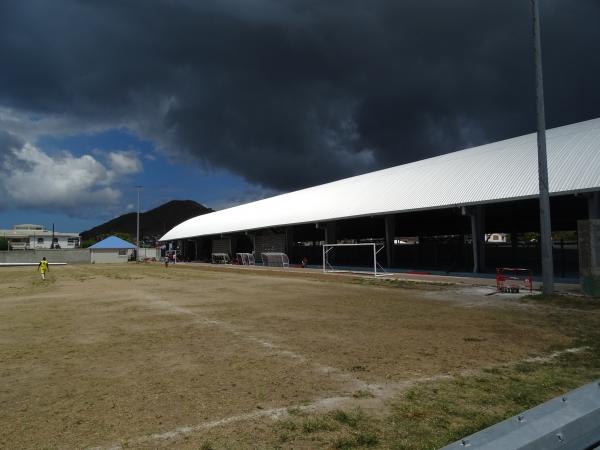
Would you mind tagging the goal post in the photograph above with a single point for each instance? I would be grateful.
(376, 268)
(275, 259)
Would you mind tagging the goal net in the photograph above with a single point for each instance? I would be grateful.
(220, 258)
(353, 258)
(275, 259)
(245, 259)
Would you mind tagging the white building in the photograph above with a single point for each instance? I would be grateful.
(31, 236)
(111, 250)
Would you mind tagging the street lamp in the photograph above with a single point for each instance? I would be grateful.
(545, 225)
(137, 239)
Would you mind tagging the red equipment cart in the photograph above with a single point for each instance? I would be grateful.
(510, 279)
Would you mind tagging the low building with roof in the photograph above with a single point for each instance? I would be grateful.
(31, 236)
(111, 250)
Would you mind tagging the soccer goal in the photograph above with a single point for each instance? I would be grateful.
(245, 259)
(275, 259)
(220, 258)
(368, 262)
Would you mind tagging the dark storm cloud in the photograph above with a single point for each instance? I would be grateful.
(290, 93)
(8, 142)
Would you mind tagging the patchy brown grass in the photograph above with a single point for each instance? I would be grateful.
(141, 356)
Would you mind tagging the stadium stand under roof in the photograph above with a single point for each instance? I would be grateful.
(492, 173)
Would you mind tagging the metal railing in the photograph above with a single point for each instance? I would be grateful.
(568, 422)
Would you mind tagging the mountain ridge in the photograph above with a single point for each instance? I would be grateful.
(154, 223)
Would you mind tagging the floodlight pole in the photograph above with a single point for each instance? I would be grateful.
(545, 224)
(137, 239)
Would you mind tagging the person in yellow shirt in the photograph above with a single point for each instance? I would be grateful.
(43, 267)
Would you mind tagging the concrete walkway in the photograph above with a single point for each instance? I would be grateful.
(562, 286)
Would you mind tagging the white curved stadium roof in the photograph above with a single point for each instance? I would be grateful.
(501, 171)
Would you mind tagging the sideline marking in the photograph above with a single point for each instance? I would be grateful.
(379, 391)
(322, 404)
(327, 403)
(554, 355)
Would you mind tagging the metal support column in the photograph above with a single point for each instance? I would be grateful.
(513, 249)
(481, 236)
(252, 237)
(477, 215)
(137, 228)
(594, 206)
(390, 231)
(545, 223)
(330, 237)
(289, 241)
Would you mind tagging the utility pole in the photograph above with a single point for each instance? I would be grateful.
(545, 225)
(137, 239)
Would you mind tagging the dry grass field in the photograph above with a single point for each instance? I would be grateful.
(139, 356)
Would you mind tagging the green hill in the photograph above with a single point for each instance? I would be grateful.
(153, 223)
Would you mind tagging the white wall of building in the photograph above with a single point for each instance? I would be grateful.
(46, 241)
(110, 255)
(150, 253)
(31, 236)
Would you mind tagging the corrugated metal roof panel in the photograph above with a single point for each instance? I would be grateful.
(492, 172)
